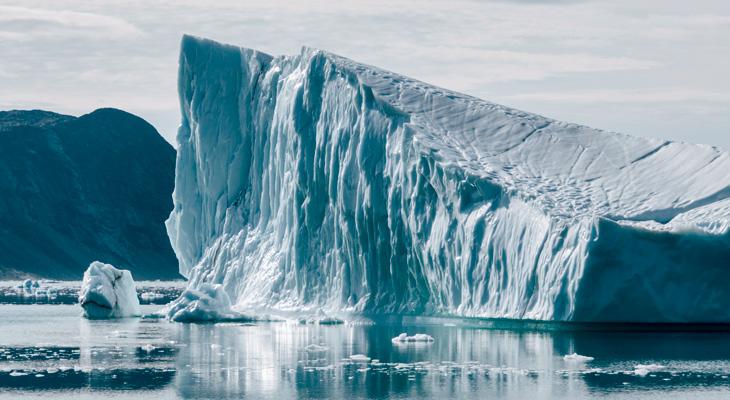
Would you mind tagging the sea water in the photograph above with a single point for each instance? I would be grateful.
(50, 351)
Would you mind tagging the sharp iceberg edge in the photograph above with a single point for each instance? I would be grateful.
(314, 182)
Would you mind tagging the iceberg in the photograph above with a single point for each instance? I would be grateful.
(107, 292)
(359, 358)
(315, 348)
(643, 370)
(311, 182)
(321, 318)
(207, 303)
(418, 337)
(577, 358)
(330, 321)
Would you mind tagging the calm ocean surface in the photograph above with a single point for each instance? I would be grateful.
(49, 351)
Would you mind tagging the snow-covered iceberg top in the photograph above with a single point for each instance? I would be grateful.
(312, 181)
(107, 292)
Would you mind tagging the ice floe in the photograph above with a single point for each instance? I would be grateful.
(417, 338)
(645, 369)
(207, 303)
(577, 358)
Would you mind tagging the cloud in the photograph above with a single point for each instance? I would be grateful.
(672, 27)
(480, 66)
(627, 96)
(21, 23)
(612, 61)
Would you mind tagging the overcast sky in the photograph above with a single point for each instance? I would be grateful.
(652, 67)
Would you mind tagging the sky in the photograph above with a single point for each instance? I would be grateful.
(656, 68)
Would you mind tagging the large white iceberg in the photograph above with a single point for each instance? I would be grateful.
(107, 292)
(312, 181)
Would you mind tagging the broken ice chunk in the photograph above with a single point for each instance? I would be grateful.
(107, 292)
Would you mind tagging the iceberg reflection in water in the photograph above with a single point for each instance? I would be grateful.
(49, 351)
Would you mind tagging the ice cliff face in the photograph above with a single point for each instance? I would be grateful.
(312, 181)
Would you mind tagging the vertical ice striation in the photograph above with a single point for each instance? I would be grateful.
(312, 181)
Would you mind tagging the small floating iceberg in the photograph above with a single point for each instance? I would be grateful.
(148, 348)
(417, 338)
(107, 292)
(29, 286)
(577, 358)
(644, 369)
(151, 296)
(321, 321)
(207, 303)
(360, 358)
(315, 348)
(330, 321)
(321, 318)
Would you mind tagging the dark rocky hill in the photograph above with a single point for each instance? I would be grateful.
(75, 190)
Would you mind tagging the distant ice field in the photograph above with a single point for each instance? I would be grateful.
(67, 292)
